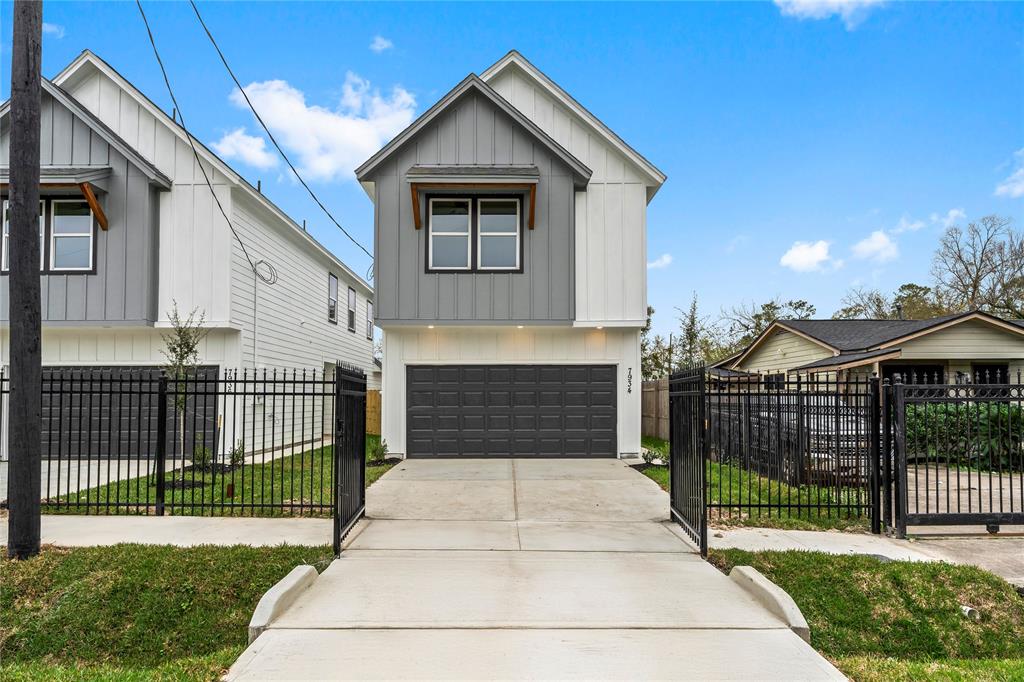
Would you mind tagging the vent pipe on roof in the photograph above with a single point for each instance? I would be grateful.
(259, 186)
(899, 311)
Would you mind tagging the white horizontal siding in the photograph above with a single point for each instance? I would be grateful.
(292, 329)
(972, 340)
(611, 215)
(504, 346)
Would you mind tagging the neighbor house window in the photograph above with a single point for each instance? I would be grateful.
(5, 219)
(482, 233)
(450, 227)
(332, 298)
(775, 382)
(351, 309)
(369, 320)
(990, 373)
(71, 229)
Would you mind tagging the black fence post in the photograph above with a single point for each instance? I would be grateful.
(336, 460)
(887, 454)
(161, 442)
(900, 440)
(875, 415)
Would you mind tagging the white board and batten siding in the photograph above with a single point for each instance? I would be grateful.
(194, 238)
(611, 215)
(505, 346)
(299, 296)
(781, 352)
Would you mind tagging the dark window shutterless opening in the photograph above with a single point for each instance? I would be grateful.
(332, 298)
(351, 309)
(369, 320)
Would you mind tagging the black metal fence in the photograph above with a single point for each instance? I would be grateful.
(237, 442)
(957, 454)
(688, 453)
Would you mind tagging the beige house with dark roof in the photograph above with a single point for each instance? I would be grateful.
(973, 346)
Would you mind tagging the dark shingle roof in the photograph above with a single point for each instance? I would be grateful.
(854, 335)
(846, 359)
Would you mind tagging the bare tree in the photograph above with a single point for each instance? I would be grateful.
(982, 267)
(745, 322)
(864, 304)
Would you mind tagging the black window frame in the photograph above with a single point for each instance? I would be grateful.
(332, 313)
(474, 233)
(47, 236)
(352, 303)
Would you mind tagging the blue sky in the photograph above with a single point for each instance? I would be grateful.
(809, 146)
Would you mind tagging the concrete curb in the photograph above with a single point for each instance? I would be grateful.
(772, 597)
(279, 597)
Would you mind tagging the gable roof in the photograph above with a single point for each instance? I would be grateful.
(87, 58)
(100, 128)
(856, 337)
(473, 83)
(514, 59)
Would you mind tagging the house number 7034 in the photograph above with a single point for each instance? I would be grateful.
(629, 380)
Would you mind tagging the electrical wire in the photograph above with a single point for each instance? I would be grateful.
(284, 156)
(269, 276)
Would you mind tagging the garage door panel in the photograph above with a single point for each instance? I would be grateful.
(511, 410)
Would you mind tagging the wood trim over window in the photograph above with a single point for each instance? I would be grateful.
(416, 187)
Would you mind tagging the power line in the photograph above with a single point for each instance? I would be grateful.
(224, 60)
(269, 275)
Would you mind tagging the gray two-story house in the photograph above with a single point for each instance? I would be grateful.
(510, 274)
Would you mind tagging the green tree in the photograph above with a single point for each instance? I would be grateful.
(181, 350)
(745, 322)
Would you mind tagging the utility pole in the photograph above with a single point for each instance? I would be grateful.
(25, 404)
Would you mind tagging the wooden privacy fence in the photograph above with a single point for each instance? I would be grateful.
(373, 412)
(654, 409)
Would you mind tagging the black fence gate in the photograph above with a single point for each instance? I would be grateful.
(268, 442)
(957, 453)
(349, 450)
(688, 453)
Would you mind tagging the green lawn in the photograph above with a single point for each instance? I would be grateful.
(899, 620)
(303, 477)
(135, 612)
(730, 485)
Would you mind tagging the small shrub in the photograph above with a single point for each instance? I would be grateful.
(201, 458)
(981, 435)
(379, 451)
(649, 456)
(237, 455)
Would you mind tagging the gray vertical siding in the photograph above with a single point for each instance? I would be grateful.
(473, 131)
(124, 286)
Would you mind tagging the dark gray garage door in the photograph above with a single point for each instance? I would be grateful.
(511, 411)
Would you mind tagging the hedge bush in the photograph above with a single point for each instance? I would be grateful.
(978, 435)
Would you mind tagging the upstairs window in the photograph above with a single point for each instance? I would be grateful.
(498, 234)
(474, 234)
(351, 309)
(332, 298)
(7, 235)
(71, 232)
(450, 227)
(369, 320)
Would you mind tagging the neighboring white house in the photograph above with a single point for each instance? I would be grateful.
(152, 236)
(510, 273)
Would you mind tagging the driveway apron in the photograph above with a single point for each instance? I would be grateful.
(524, 569)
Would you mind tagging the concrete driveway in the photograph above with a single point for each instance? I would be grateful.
(524, 569)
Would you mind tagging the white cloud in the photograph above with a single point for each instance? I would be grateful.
(331, 143)
(380, 43)
(907, 225)
(878, 246)
(1013, 186)
(55, 30)
(248, 149)
(662, 261)
(852, 12)
(952, 217)
(808, 256)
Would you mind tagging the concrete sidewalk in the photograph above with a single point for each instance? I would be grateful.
(181, 531)
(521, 569)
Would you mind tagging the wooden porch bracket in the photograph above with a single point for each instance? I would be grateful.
(97, 210)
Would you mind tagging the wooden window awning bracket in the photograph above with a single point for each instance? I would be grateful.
(415, 187)
(97, 210)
